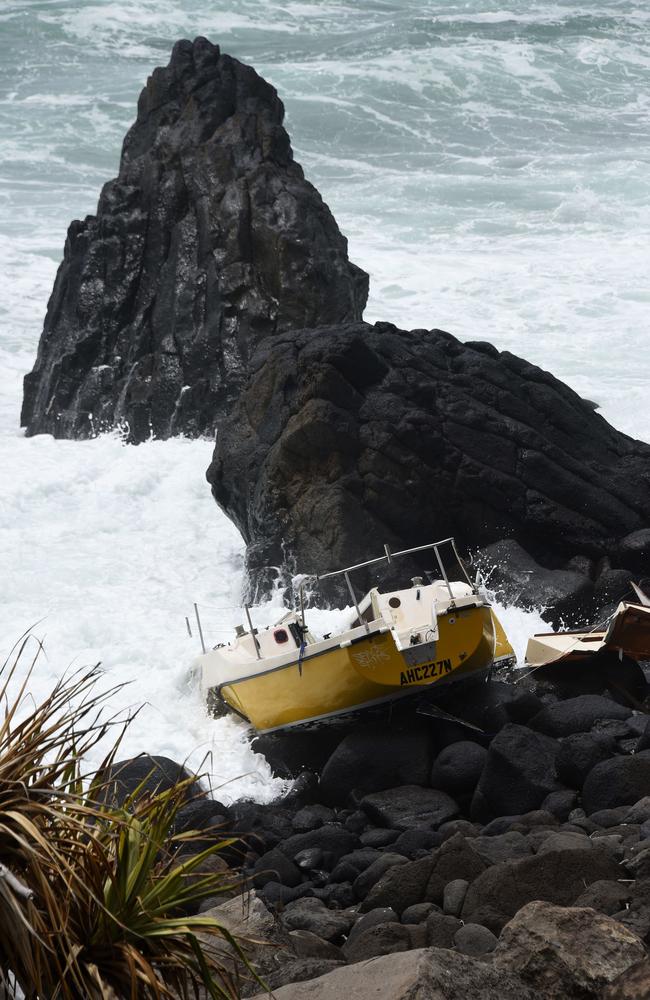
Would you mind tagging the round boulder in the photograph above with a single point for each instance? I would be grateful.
(458, 767)
(577, 715)
(621, 781)
(375, 758)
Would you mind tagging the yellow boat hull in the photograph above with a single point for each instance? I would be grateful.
(370, 671)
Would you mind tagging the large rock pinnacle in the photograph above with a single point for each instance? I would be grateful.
(208, 240)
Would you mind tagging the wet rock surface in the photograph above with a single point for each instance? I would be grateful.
(342, 432)
(208, 240)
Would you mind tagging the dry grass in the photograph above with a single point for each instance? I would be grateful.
(92, 896)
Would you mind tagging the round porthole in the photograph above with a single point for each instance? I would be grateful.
(452, 621)
(281, 635)
(394, 602)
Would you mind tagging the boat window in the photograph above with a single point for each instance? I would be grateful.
(395, 602)
(281, 635)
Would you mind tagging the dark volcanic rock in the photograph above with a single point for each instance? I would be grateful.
(342, 433)
(312, 915)
(209, 239)
(558, 877)
(409, 806)
(577, 715)
(400, 887)
(519, 773)
(458, 767)
(580, 753)
(522, 581)
(332, 840)
(374, 758)
(621, 781)
(148, 775)
(380, 939)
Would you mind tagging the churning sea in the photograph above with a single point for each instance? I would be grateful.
(490, 166)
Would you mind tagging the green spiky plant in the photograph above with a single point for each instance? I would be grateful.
(92, 896)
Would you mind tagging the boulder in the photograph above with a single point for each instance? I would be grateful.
(441, 929)
(353, 433)
(274, 866)
(519, 773)
(521, 580)
(566, 953)
(458, 767)
(557, 877)
(417, 913)
(510, 846)
(208, 240)
(265, 942)
(621, 781)
(409, 806)
(565, 840)
(299, 970)
(374, 758)
(633, 551)
(309, 945)
(378, 838)
(382, 915)
(560, 803)
(577, 715)
(413, 843)
(372, 873)
(333, 840)
(201, 814)
(402, 886)
(639, 812)
(148, 774)
(633, 984)
(580, 753)
(260, 826)
(279, 895)
(351, 865)
(425, 972)
(454, 896)
(380, 939)
(605, 896)
(455, 860)
(475, 940)
(312, 915)
(311, 818)
(309, 858)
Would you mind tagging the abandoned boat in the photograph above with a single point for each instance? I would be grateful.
(627, 634)
(394, 644)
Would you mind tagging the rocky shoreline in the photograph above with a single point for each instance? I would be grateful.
(511, 855)
(505, 856)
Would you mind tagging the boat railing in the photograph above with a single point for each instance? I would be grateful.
(388, 558)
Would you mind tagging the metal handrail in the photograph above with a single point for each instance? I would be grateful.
(389, 556)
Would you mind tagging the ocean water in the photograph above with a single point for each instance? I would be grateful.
(489, 166)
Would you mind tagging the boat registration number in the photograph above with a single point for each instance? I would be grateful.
(428, 671)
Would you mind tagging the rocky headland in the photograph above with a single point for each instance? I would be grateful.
(213, 291)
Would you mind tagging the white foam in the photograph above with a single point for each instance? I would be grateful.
(106, 547)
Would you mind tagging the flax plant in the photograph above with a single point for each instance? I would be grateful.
(92, 895)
